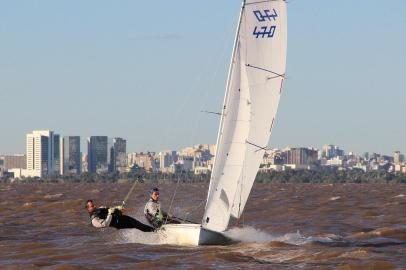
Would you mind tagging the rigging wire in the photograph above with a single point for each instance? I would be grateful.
(204, 99)
(214, 75)
(173, 198)
(193, 209)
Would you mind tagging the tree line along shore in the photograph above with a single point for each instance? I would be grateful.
(287, 176)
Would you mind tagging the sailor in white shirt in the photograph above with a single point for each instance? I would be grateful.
(153, 213)
(113, 217)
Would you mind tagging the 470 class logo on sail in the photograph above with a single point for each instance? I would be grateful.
(262, 16)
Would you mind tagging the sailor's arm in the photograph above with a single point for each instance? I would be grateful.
(102, 223)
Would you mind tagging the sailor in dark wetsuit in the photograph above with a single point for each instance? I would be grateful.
(113, 217)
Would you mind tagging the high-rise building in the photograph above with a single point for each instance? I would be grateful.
(70, 155)
(398, 157)
(13, 161)
(273, 157)
(85, 163)
(2, 170)
(57, 155)
(331, 151)
(118, 155)
(97, 154)
(41, 153)
(166, 159)
(301, 156)
(185, 163)
(146, 161)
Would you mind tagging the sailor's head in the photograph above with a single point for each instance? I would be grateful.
(154, 193)
(90, 206)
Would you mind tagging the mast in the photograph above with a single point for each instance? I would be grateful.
(224, 108)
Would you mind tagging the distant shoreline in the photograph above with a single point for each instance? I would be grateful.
(288, 176)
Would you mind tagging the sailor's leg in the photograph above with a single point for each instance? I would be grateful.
(126, 222)
(171, 220)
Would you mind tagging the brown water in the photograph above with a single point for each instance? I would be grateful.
(309, 226)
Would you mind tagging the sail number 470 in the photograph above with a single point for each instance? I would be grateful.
(264, 32)
(262, 16)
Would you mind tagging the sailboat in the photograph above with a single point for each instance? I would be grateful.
(254, 87)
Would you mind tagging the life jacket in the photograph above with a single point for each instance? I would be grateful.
(102, 213)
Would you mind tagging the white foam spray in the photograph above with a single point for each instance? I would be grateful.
(252, 235)
(249, 234)
(245, 234)
(139, 237)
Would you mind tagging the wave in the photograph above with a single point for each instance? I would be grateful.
(252, 235)
(136, 236)
(245, 235)
(53, 196)
(381, 236)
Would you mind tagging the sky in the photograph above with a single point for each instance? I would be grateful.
(144, 71)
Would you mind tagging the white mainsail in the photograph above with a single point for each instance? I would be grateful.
(257, 71)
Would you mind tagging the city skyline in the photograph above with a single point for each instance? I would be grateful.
(49, 155)
(108, 74)
(120, 146)
(84, 146)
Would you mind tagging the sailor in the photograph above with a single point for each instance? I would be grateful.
(153, 213)
(113, 217)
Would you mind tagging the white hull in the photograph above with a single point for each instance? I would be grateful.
(191, 235)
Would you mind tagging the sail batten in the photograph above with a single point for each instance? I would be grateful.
(257, 70)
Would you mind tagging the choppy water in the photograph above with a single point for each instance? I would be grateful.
(346, 226)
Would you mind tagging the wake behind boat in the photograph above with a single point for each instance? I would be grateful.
(254, 87)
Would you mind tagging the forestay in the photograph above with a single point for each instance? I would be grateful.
(256, 76)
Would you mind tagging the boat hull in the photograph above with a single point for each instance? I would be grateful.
(191, 235)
